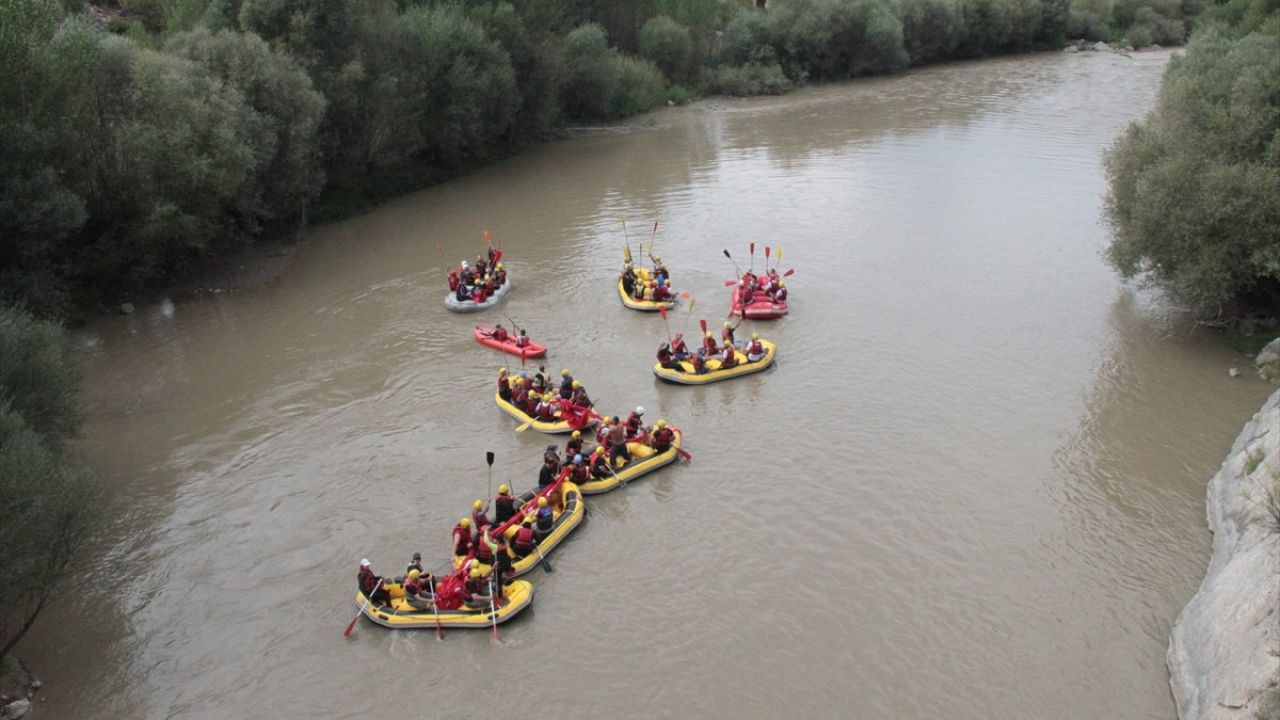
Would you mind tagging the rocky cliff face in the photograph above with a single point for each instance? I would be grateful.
(1224, 652)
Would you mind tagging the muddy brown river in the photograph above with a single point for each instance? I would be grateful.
(973, 486)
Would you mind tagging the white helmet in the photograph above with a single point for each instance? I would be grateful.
(639, 409)
(465, 265)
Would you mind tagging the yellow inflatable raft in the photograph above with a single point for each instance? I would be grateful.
(567, 515)
(516, 596)
(643, 461)
(642, 275)
(581, 420)
(687, 376)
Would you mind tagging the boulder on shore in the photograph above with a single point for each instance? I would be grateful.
(1268, 361)
(1224, 649)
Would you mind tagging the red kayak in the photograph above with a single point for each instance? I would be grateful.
(761, 307)
(484, 336)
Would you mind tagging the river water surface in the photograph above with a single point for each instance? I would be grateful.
(973, 486)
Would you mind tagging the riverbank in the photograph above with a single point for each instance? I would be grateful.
(1224, 649)
(17, 687)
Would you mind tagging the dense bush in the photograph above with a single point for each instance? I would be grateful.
(743, 80)
(931, 29)
(44, 503)
(640, 86)
(669, 45)
(1194, 199)
(866, 37)
(592, 75)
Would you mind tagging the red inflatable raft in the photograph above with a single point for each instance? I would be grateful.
(484, 336)
(761, 307)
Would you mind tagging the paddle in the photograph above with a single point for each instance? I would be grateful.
(752, 247)
(493, 606)
(545, 564)
(435, 605)
(730, 283)
(488, 457)
(627, 238)
(789, 273)
(735, 263)
(609, 464)
(368, 599)
(766, 259)
(692, 304)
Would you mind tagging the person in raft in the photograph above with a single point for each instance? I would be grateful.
(599, 464)
(519, 395)
(662, 437)
(504, 505)
(540, 378)
(660, 272)
(755, 349)
(544, 520)
(780, 295)
(479, 516)
(371, 585)
(617, 437)
(550, 470)
(628, 279)
(566, 384)
(522, 544)
(580, 473)
(728, 358)
(546, 410)
(475, 593)
(662, 291)
(504, 387)
(416, 590)
(499, 275)
(466, 277)
(414, 564)
(500, 333)
(579, 396)
(709, 348)
(726, 333)
(574, 445)
(462, 537)
(634, 424)
(522, 340)
(463, 293)
(679, 349)
(480, 292)
(666, 358)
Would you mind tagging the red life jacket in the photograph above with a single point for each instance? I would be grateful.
(453, 282)
(663, 437)
(484, 553)
(368, 581)
(461, 540)
(412, 587)
(729, 358)
(524, 539)
(500, 334)
(709, 345)
(633, 423)
(522, 340)
(780, 296)
(755, 348)
(479, 520)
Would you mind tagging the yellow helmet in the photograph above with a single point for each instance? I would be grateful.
(598, 451)
(465, 522)
(519, 381)
(657, 259)
(576, 385)
(782, 283)
(755, 336)
(542, 502)
(499, 266)
(709, 334)
(476, 571)
(502, 371)
(726, 323)
(548, 397)
(606, 419)
(486, 278)
(415, 573)
(564, 372)
(661, 423)
(576, 434)
(477, 504)
(503, 489)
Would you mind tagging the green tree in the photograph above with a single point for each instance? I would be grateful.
(931, 29)
(640, 86)
(669, 45)
(866, 37)
(592, 75)
(285, 111)
(1194, 200)
(46, 505)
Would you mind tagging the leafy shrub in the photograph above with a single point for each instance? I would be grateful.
(931, 29)
(592, 75)
(640, 86)
(669, 45)
(866, 37)
(746, 41)
(744, 80)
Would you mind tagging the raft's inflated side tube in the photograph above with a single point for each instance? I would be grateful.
(643, 305)
(760, 307)
(551, 428)
(689, 377)
(451, 301)
(483, 335)
(516, 596)
(643, 461)
(569, 517)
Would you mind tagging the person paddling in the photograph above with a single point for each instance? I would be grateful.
(500, 333)
(504, 505)
(618, 442)
(504, 386)
(662, 437)
(755, 349)
(413, 590)
(462, 537)
(634, 422)
(372, 585)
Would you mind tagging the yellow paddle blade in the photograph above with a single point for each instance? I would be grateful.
(626, 253)
(779, 255)
(650, 249)
(524, 427)
(693, 304)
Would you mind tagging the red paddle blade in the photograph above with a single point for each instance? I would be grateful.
(703, 323)
(663, 312)
(789, 273)
(766, 252)
(685, 295)
(752, 248)
(488, 239)
(730, 283)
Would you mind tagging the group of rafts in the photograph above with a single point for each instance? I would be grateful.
(471, 595)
